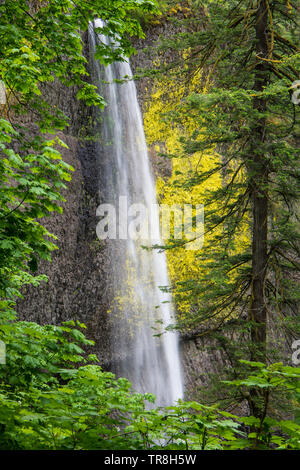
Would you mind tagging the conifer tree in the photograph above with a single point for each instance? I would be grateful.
(247, 113)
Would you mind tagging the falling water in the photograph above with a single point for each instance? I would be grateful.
(146, 354)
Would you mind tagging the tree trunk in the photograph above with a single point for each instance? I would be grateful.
(259, 179)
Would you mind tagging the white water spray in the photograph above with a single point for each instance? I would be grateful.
(140, 309)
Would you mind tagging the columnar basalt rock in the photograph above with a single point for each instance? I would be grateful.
(77, 273)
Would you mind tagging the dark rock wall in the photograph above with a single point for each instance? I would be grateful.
(77, 275)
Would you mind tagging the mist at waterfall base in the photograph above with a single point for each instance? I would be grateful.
(140, 309)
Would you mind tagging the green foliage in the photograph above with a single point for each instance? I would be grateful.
(48, 403)
(270, 431)
(49, 399)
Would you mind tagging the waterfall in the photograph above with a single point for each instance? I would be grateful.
(146, 354)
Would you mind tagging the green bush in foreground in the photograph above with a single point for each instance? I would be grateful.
(48, 401)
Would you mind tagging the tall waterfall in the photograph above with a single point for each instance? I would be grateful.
(147, 355)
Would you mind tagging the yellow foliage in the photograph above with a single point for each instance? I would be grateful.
(183, 264)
